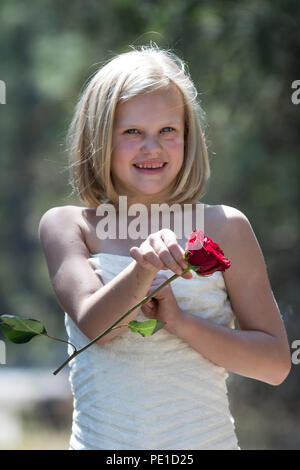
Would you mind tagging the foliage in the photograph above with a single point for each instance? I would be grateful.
(243, 57)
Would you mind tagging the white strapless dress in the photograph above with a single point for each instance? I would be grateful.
(153, 393)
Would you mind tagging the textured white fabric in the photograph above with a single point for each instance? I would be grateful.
(154, 392)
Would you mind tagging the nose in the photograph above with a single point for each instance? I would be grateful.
(151, 146)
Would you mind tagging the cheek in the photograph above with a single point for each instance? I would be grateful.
(176, 147)
(123, 151)
(176, 141)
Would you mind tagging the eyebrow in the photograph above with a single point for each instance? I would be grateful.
(133, 126)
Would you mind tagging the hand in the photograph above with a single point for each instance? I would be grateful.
(163, 306)
(160, 251)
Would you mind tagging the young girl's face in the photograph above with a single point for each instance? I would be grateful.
(148, 129)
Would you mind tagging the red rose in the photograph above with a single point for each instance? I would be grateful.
(203, 252)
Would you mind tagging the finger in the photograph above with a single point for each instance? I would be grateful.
(164, 254)
(174, 248)
(136, 254)
(146, 310)
(153, 259)
(148, 259)
(146, 307)
(188, 275)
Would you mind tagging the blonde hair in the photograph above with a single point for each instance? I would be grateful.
(89, 138)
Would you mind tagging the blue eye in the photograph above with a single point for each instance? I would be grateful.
(169, 129)
(136, 131)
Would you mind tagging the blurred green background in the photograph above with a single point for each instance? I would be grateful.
(243, 57)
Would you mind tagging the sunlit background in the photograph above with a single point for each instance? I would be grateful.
(243, 57)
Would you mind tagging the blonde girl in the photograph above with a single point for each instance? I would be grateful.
(137, 132)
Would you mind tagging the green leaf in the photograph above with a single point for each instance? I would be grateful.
(146, 328)
(20, 330)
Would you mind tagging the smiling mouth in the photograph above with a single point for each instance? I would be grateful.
(150, 170)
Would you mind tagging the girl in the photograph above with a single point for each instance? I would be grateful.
(166, 391)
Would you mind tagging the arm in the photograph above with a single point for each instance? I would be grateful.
(260, 348)
(79, 290)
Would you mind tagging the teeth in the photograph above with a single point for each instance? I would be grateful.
(150, 166)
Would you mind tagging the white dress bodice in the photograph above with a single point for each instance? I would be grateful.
(154, 392)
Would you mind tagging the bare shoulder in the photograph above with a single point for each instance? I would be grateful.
(67, 257)
(61, 215)
(66, 219)
(60, 232)
(223, 222)
(221, 213)
(232, 230)
(238, 234)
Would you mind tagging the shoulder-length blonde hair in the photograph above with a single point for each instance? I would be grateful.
(89, 139)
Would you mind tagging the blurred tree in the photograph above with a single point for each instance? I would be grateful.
(243, 57)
